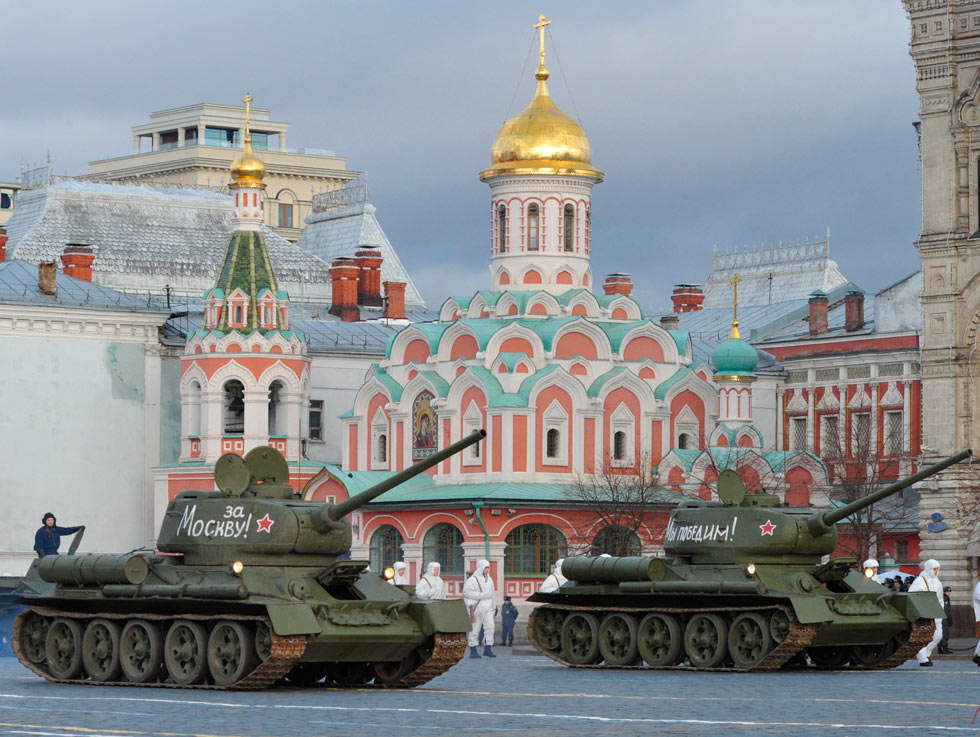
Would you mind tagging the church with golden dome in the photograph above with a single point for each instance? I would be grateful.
(570, 384)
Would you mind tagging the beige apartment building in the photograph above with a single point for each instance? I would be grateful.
(195, 146)
(8, 192)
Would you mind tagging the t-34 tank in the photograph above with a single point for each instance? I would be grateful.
(741, 587)
(251, 588)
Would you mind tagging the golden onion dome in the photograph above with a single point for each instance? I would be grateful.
(248, 168)
(541, 139)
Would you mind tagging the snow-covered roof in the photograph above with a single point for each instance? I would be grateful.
(146, 238)
(340, 231)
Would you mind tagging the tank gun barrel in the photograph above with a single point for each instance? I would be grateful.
(336, 512)
(820, 523)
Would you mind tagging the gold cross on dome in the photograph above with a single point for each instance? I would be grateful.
(540, 25)
(734, 281)
(248, 110)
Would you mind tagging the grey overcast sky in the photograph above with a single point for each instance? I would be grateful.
(725, 123)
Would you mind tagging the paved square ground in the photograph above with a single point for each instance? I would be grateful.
(517, 695)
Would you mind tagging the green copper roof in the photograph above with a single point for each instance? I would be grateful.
(734, 357)
(661, 391)
(440, 384)
(511, 359)
(247, 266)
(601, 380)
(393, 387)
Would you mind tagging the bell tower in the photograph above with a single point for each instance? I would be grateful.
(945, 46)
(541, 178)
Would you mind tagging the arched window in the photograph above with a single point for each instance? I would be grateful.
(532, 227)
(234, 407)
(552, 447)
(382, 449)
(616, 540)
(194, 410)
(588, 232)
(386, 548)
(682, 441)
(275, 408)
(533, 549)
(619, 446)
(443, 543)
(502, 229)
(569, 227)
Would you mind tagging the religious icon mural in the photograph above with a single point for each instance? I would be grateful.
(424, 430)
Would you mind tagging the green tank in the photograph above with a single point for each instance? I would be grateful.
(742, 586)
(250, 585)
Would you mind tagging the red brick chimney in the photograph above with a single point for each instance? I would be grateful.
(687, 297)
(818, 313)
(853, 311)
(3, 244)
(78, 260)
(47, 277)
(618, 283)
(395, 302)
(369, 281)
(343, 275)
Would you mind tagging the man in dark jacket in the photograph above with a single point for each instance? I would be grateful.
(48, 538)
(947, 622)
(508, 615)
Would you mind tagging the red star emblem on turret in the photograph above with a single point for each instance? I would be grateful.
(265, 524)
(767, 529)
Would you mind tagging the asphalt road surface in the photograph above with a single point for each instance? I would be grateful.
(517, 695)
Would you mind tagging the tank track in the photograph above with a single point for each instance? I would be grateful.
(921, 635)
(285, 652)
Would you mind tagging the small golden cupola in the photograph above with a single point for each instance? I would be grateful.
(248, 168)
(541, 138)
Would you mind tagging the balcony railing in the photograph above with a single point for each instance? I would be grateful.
(321, 152)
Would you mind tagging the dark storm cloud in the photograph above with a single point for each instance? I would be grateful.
(716, 123)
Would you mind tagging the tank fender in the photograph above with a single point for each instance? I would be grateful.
(811, 609)
(440, 616)
(917, 605)
(293, 619)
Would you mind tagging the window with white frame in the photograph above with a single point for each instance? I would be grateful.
(861, 441)
(555, 435)
(532, 227)
(316, 420)
(621, 443)
(379, 440)
(830, 439)
(797, 433)
(687, 429)
(472, 421)
(894, 438)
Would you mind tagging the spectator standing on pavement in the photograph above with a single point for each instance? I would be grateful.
(554, 580)
(976, 614)
(947, 622)
(431, 586)
(48, 538)
(478, 595)
(508, 616)
(928, 580)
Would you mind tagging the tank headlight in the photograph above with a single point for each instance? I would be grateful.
(237, 567)
(869, 572)
(750, 569)
(389, 573)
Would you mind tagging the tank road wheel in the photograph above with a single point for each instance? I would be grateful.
(100, 650)
(63, 648)
(659, 639)
(779, 626)
(350, 674)
(33, 635)
(231, 652)
(140, 651)
(306, 674)
(580, 638)
(705, 640)
(870, 656)
(828, 657)
(263, 641)
(387, 673)
(547, 627)
(617, 639)
(748, 640)
(185, 652)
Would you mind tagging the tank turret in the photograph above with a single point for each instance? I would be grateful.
(745, 584)
(251, 584)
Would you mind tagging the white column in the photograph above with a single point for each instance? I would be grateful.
(212, 423)
(136, 144)
(842, 418)
(907, 417)
(810, 433)
(873, 386)
(413, 558)
(200, 135)
(156, 141)
(151, 433)
(180, 137)
(282, 141)
(256, 418)
(780, 399)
